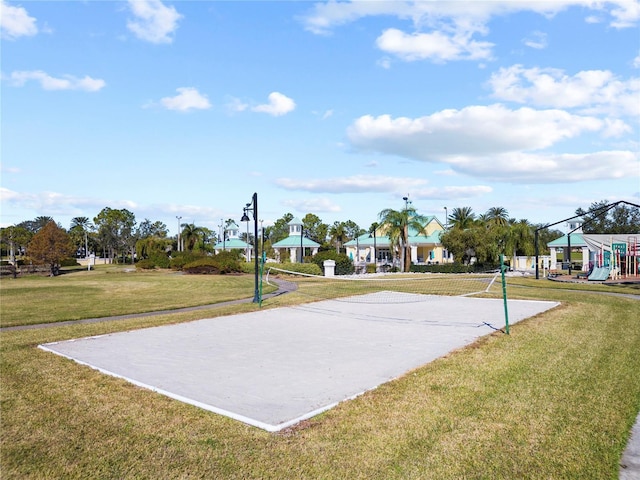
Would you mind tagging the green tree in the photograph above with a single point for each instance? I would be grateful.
(147, 228)
(396, 224)
(280, 229)
(191, 236)
(314, 229)
(79, 233)
(338, 235)
(462, 217)
(14, 240)
(50, 246)
(116, 231)
(521, 238)
(497, 216)
(622, 218)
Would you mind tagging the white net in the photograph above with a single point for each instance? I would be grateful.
(383, 289)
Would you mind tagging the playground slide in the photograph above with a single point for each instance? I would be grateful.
(600, 274)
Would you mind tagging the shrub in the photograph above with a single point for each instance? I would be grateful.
(69, 262)
(180, 259)
(222, 263)
(307, 268)
(202, 266)
(451, 268)
(160, 260)
(145, 264)
(344, 265)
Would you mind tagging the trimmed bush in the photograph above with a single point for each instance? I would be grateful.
(203, 266)
(344, 265)
(160, 260)
(451, 268)
(222, 263)
(145, 264)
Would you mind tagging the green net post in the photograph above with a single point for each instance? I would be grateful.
(503, 268)
(262, 260)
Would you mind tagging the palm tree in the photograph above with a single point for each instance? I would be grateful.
(497, 216)
(338, 234)
(79, 233)
(191, 235)
(396, 224)
(462, 217)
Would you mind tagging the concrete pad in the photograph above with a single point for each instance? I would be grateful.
(273, 368)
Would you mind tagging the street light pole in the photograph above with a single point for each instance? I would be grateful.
(446, 218)
(245, 218)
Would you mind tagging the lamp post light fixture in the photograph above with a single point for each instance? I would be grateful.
(179, 218)
(252, 207)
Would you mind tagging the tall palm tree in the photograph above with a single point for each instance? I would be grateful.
(338, 234)
(79, 233)
(497, 216)
(396, 224)
(462, 218)
(191, 235)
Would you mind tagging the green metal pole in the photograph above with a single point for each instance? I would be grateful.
(503, 267)
(263, 258)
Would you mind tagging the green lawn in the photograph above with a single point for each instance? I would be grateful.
(555, 399)
(113, 290)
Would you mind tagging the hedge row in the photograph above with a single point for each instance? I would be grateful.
(452, 268)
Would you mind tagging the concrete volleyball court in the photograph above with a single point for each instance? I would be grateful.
(275, 367)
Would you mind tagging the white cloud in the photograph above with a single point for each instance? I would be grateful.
(154, 22)
(316, 205)
(188, 98)
(451, 192)
(593, 91)
(66, 82)
(445, 31)
(235, 105)
(436, 46)
(537, 40)
(520, 167)
(497, 143)
(278, 105)
(474, 130)
(353, 184)
(636, 62)
(15, 22)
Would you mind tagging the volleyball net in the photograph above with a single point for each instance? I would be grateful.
(385, 288)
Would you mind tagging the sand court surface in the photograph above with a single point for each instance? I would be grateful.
(275, 367)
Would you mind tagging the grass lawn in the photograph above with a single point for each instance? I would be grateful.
(555, 399)
(113, 290)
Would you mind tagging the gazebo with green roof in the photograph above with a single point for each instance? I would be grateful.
(296, 243)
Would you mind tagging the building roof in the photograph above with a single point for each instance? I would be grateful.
(576, 241)
(294, 241)
(233, 243)
(383, 241)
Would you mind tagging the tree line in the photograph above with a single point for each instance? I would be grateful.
(115, 234)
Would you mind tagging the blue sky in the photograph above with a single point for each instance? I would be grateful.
(339, 109)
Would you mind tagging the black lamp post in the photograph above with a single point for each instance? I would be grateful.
(301, 244)
(252, 207)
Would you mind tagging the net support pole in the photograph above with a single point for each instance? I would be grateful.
(503, 267)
